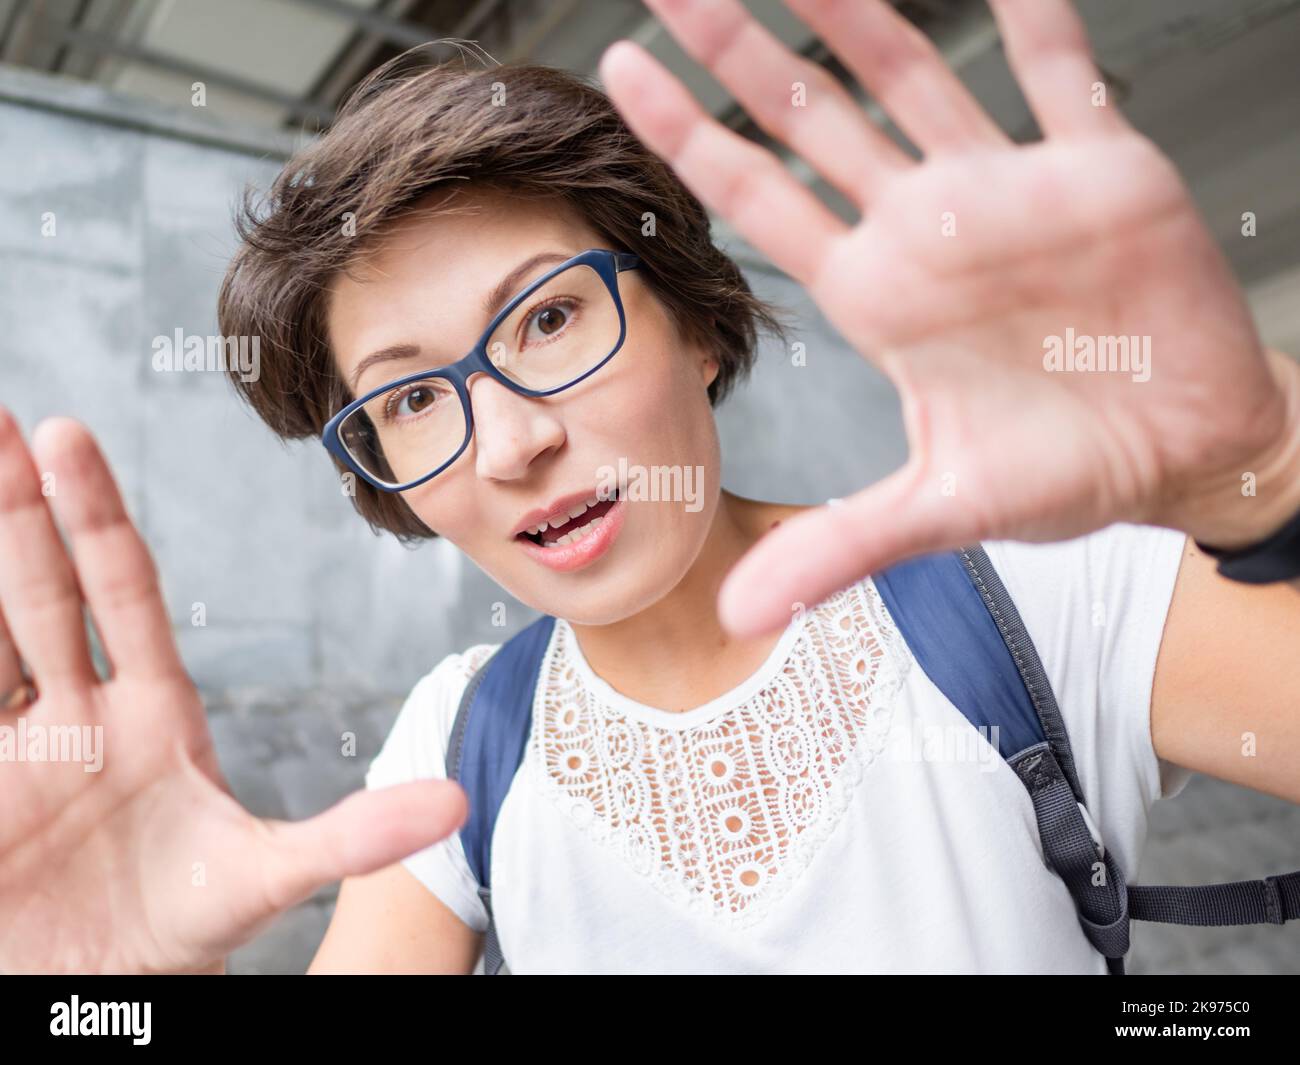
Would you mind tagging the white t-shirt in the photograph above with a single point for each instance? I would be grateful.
(834, 813)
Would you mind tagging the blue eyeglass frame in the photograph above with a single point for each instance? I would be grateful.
(607, 265)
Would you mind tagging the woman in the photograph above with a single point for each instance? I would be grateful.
(660, 821)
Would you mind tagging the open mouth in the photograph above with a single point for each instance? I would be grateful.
(579, 524)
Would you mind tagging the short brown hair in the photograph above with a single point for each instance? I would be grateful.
(407, 131)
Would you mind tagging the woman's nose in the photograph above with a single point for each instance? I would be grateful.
(510, 430)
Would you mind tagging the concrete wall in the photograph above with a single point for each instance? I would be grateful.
(297, 592)
(314, 626)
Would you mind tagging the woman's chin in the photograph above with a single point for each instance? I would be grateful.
(606, 598)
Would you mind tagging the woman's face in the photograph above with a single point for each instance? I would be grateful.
(645, 410)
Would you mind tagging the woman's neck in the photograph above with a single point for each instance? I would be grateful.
(675, 655)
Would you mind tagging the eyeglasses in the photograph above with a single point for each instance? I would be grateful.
(558, 331)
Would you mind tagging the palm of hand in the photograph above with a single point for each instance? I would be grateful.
(968, 267)
(147, 863)
(145, 851)
(962, 267)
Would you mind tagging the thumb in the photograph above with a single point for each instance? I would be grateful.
(811, 556)
(360, 834)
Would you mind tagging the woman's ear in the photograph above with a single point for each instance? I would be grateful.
(710, 364)
(709, 367)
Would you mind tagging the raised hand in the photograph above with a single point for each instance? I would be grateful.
(962, 268)
(147, 864)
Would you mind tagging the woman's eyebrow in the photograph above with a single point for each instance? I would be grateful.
(506, 287)
(502, 291)
(389, 354)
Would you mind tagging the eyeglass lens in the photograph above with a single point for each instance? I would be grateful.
(557, 333)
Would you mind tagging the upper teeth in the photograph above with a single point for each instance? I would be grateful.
(576, 511)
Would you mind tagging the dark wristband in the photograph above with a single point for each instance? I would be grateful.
(1275, 559)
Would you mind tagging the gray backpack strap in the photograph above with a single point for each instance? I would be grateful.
(1106, 909)
(494, 964)
(1047, 769)
(1007, 618)
(966, 634)
(1273, 900)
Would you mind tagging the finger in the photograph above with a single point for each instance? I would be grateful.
(1047, 47)
(811, 556)
(11, 670)
(118, 575)
(38, 587)
(904, 72)
(733, 176)
(830, 130)
(367, 831)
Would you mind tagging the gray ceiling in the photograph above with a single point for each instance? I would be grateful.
(1214, 82)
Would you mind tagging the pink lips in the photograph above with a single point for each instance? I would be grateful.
(581, 552)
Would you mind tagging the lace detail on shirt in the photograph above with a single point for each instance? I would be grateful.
(724, 816)
(474, 657)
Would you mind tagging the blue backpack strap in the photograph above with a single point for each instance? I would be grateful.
(958, 618)
(968, 637)
(486, 747)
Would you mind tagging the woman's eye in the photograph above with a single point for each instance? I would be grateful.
(546, 322)
(413, 401)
